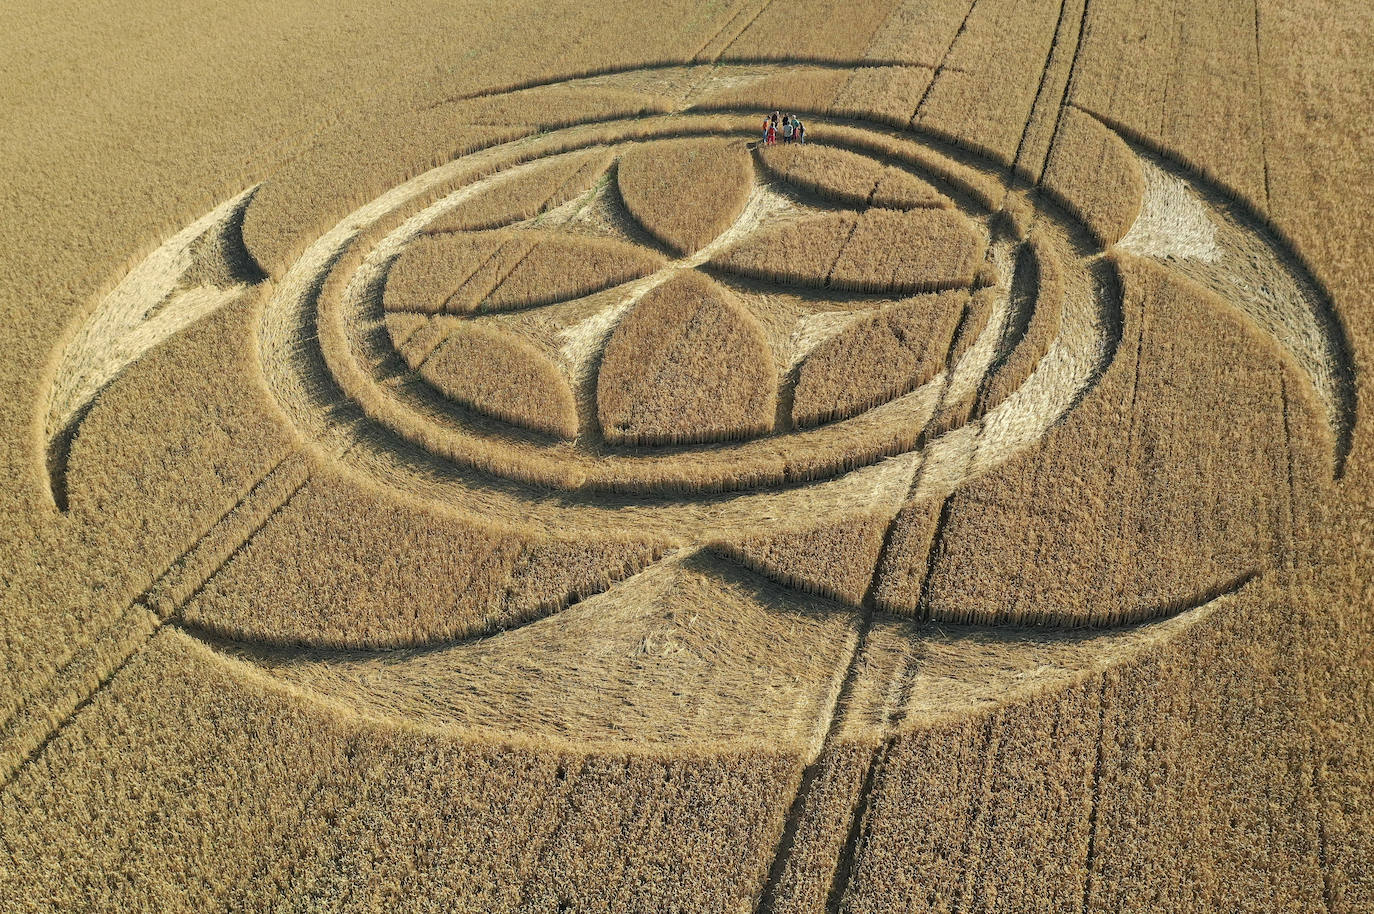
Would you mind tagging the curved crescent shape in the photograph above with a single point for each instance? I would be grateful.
(162, 295)
(1211, 236)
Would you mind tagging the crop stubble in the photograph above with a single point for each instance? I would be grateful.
(113, 773)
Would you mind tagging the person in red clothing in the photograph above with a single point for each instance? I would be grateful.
(771, 137)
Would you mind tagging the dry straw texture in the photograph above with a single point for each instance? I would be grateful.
(502, 376)
(683, 652)
(537, 189)
(686, 364)
(849, 178)
(686, 192)
(878, 358)
(1224, 765)
(344, 813)
(504, 270)
(1117, 551)
(346, 567)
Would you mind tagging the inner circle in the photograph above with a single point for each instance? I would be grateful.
(337, 286)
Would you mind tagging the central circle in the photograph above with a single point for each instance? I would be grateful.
(654, 323)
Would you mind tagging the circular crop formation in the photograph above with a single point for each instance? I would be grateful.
(698, 427)
(641, 319)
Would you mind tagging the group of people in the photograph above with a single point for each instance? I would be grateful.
(791, 129)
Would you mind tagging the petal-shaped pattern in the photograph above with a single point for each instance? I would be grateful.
(878, 358)
(432, 268)
(499, 271)
(502, 376)
(686, 192)
(532, 190)
(926, 250)
(1096, 174)
(687, 364)
(836, 559)
(849, 178)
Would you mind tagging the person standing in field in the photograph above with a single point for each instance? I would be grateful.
(798, 131)
(771, 136)
(787, 129)
(766, 124)
(775, 120)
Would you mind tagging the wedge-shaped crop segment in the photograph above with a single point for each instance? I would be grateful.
(505, 270)
(432, 268)
(687, 364)
(836, 560)
(504, 377)
(530, 191)
(347, 566)
(686, 192)
(849, 178)
(926, 250)
(1096, 174)
(879, 358)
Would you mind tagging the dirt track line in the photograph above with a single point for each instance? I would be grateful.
(1289, 558)
(1264, 131)
(844, 866)
(944, 61)
(1036, 105)
(1130, 502)
(747, 25)
(479, 309)
(19, 757)
(978, 804)
(1323, 842)
(801, 800)
(730, 20)
(1090, 857)
(801, 60)
(495, 252)
(49, 710)
(936, 539)
(1064, 102)
(839, 252)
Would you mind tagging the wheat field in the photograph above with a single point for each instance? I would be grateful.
(455, 462)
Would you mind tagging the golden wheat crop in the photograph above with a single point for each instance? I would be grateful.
(441, 576)
(849, 178)
(877, 359)
(1034, 332)
(835, 560)
(494, 271)
(529, 495)
(1107, 204)
(875, 251)
(686, 364)
(551, 184)
(1117, 537)
(502, 376)
(686, 192)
